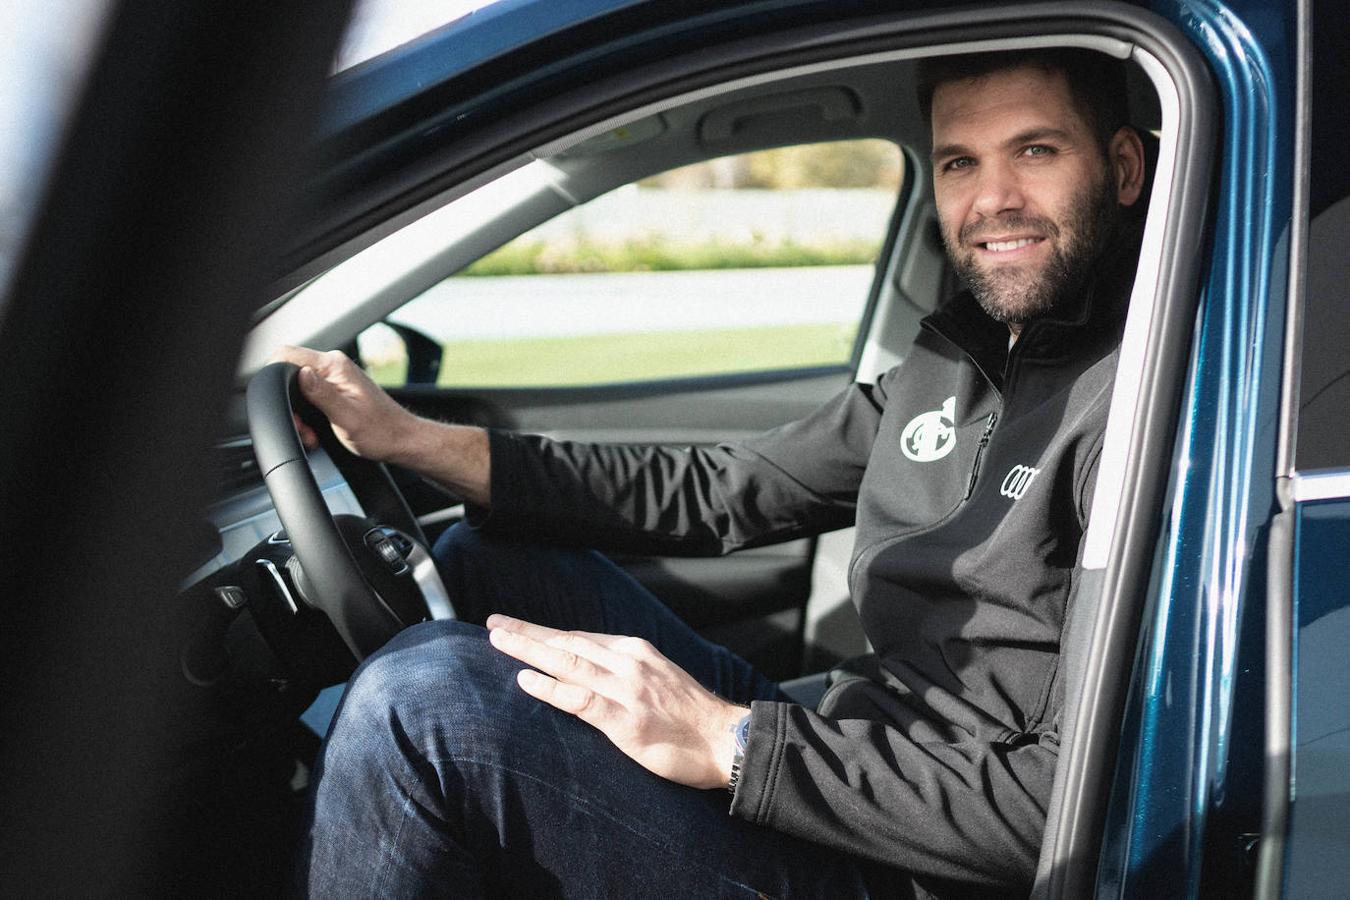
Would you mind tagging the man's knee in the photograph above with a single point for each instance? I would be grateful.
(439, 694)
(425, 677)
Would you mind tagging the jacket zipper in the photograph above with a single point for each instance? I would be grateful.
(979, 452)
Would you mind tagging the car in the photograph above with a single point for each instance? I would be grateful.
(195, 189)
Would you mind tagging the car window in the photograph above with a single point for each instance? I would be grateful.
(761, 261)
(1323, 438)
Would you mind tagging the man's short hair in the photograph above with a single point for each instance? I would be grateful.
(1096, 81)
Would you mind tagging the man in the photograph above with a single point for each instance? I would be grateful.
(598, 767)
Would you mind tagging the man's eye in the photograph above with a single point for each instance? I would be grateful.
(961, 162)
(1039, 150)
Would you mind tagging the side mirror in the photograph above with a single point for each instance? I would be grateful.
(397, 355)
(424, 354)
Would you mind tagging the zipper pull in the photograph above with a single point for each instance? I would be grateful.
(979, 452)
(988, 429)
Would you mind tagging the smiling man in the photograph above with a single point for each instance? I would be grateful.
(601, 766)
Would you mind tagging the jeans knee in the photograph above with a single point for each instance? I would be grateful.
(424, 675)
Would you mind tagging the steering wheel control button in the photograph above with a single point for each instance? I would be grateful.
(385, 548)
(232, 596)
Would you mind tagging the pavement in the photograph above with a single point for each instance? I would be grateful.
(482, 307)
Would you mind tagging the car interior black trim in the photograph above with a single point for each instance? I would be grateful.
(546, 395)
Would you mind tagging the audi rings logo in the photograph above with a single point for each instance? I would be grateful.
(1016, 482)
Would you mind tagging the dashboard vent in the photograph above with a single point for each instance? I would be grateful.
(236, 469)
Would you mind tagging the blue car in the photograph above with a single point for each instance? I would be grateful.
(637, 221)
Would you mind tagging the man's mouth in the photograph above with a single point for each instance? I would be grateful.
(1008, 245)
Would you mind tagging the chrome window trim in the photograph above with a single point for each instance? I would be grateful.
(1298, 248)
(1319, 484)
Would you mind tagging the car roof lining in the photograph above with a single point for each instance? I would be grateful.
(838, 104)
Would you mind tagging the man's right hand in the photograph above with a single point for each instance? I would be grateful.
(366, 419)
(372, 425)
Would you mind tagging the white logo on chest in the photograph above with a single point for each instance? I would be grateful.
(930, 435)
(1016, 482)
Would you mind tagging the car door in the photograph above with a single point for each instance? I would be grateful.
(1308, 823)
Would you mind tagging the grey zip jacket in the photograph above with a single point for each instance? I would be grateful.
(968, 470)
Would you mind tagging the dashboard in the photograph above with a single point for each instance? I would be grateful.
(242, 515)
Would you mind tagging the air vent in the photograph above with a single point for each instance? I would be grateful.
(236, 468)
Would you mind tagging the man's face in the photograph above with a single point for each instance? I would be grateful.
(1023, 189)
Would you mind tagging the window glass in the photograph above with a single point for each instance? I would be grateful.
(1323, 439)
(747, 263)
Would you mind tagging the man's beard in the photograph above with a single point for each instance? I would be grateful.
(1013, 295)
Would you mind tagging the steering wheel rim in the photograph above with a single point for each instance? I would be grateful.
(358, 613)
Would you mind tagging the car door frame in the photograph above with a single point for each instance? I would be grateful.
(1117, 584)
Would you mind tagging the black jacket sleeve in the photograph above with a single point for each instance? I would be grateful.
(797, 480)
(969, 812)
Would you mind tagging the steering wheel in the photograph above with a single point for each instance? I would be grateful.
(369, 579)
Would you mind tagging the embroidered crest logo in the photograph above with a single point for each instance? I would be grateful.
(1016, 482)
(931, 435)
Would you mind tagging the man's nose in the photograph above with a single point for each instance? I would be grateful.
(999, 190)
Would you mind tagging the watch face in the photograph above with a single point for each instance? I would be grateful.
(742, 734)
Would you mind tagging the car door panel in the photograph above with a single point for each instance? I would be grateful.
(751, 600)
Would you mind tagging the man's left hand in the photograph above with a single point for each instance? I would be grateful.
(652, 710)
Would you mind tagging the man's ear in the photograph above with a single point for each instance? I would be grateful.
(1125, 155)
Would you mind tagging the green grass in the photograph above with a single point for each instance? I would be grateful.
(551, 258)
(610, 358)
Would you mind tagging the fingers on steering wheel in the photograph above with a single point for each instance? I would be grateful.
(307, 435)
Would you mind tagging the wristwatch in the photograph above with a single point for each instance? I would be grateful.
(741, 731)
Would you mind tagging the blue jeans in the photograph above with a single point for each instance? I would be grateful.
(441, 778)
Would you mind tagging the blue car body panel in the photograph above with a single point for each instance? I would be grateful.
(461, 45)
(1209, 576)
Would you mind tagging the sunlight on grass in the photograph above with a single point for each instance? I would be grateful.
(613, 358)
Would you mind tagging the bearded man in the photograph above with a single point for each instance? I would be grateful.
(601, 766)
